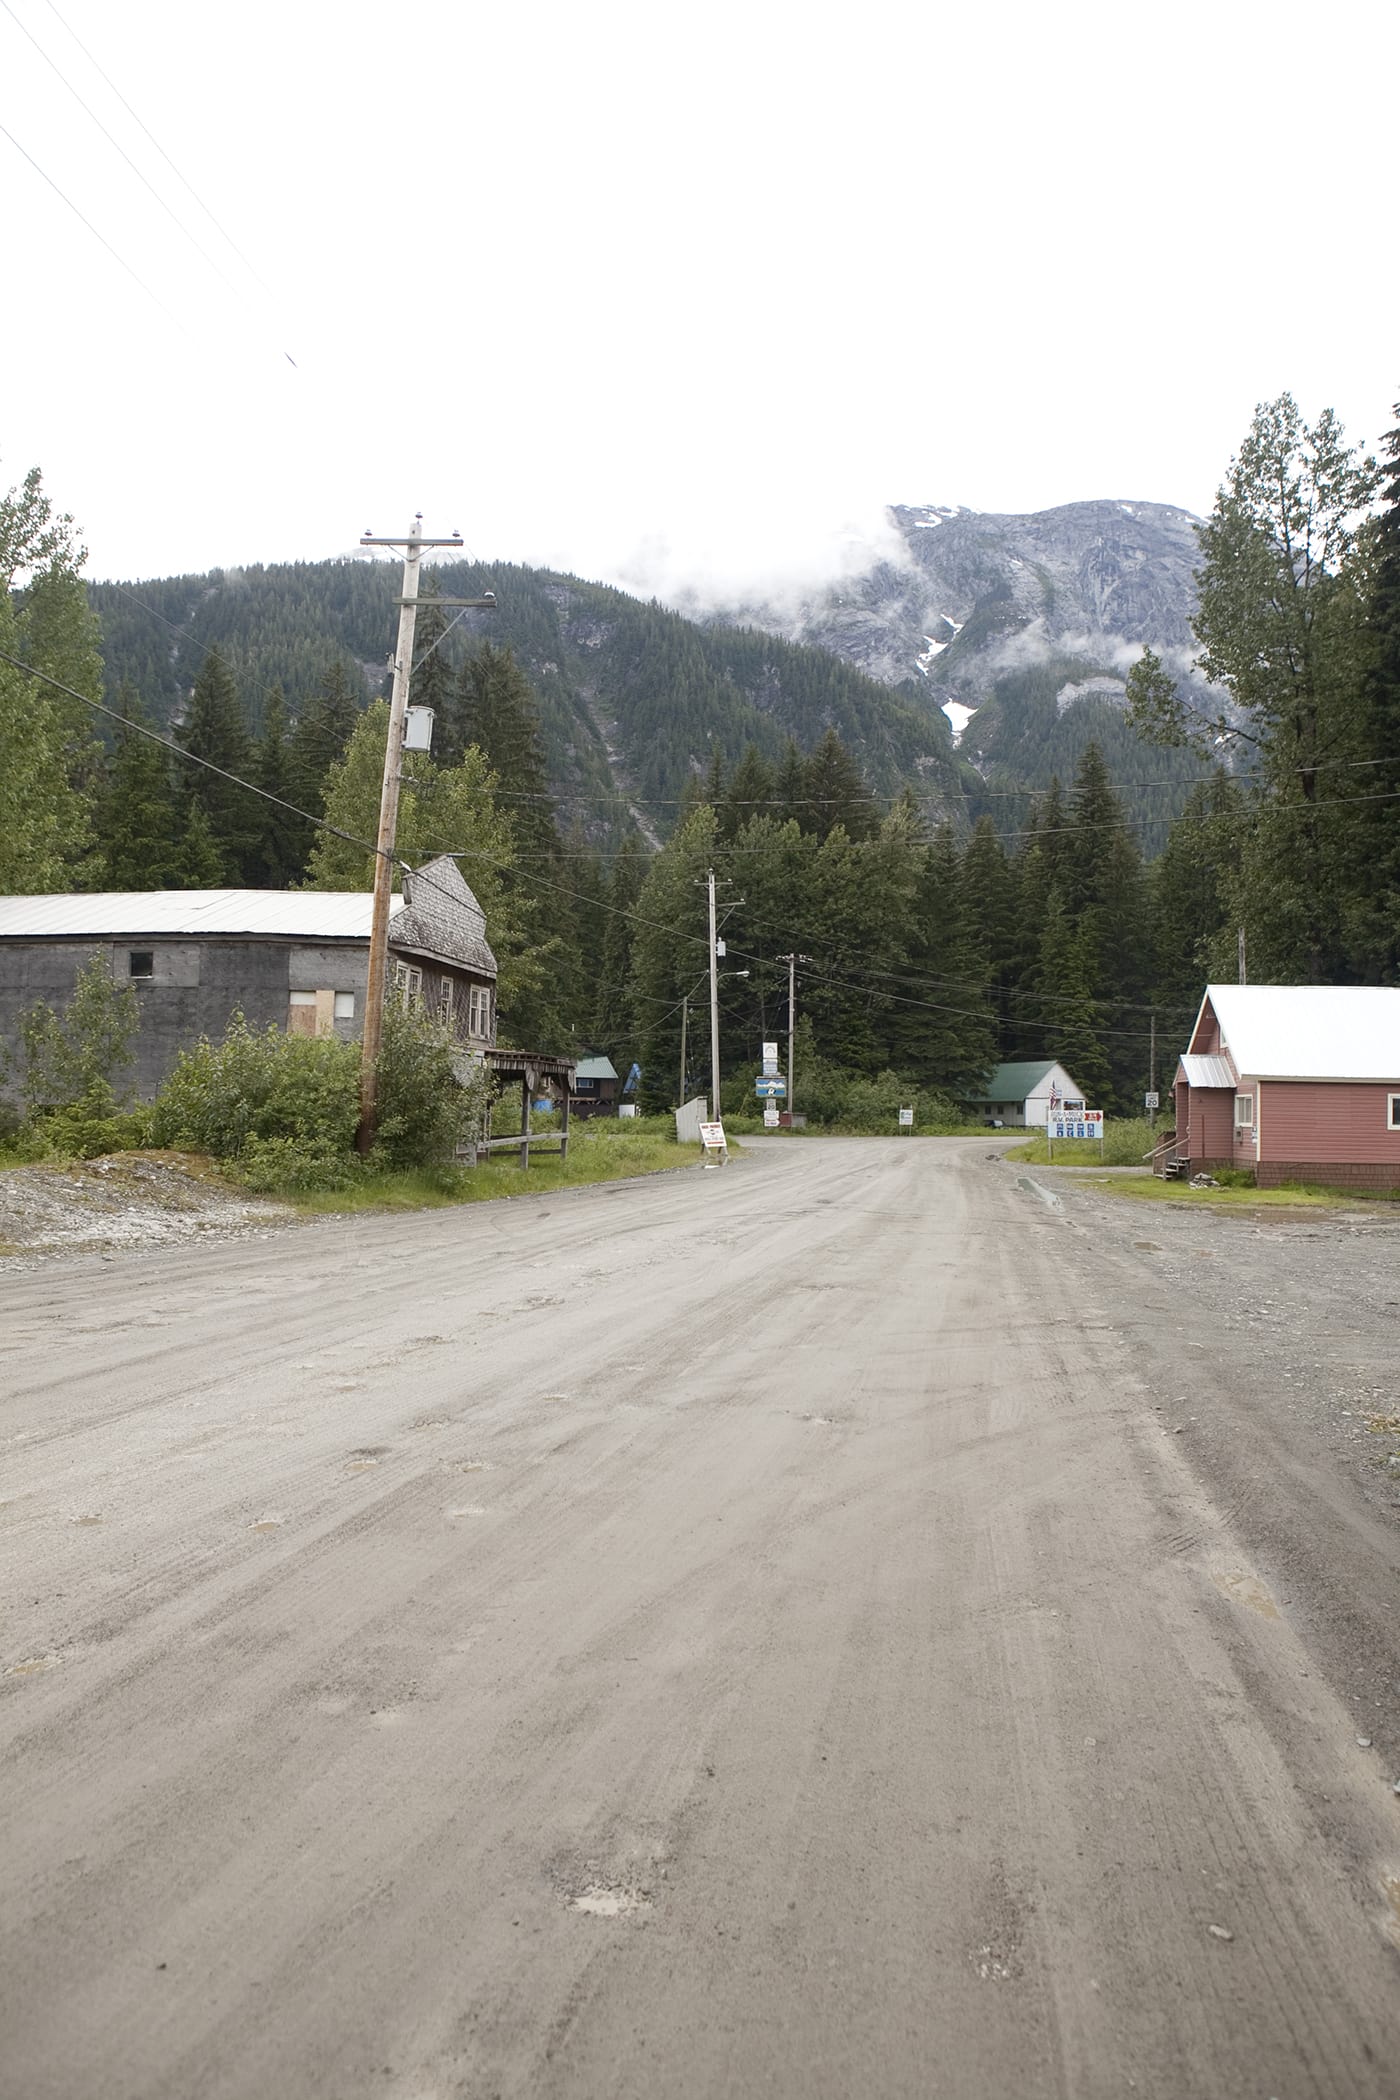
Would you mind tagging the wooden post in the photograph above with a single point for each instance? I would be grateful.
(564, 1126)
(525, 1121)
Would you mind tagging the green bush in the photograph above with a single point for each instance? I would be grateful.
(431, 1096)
(88, 1128)
(70, 1059)
(300, 1091)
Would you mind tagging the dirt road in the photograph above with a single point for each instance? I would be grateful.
(747, 1633)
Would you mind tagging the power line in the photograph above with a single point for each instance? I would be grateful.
(159, 148)
(92, 229)
(116, 144)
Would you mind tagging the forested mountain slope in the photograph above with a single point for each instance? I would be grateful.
(632, 697)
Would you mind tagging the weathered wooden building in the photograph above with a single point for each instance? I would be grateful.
(1294, 1083)
(294, 959)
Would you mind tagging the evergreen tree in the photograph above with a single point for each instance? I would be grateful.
(1373, 915)
(500, 716)
(283, 839)
(1066, 972)
(199, 862)
(614, 1030)
(948, 1041)
(214, 731)
(790, 786)
(989, 893)
(750, 792)
(1191, 886)
(136, 820)
(323, 729)
(834, 792)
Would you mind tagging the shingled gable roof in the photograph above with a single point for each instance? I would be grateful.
(1308, 1031)
(441, 918)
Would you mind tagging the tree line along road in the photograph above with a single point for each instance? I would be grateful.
(860, 1622)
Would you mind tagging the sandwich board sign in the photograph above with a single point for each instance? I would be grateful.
(712, 1138)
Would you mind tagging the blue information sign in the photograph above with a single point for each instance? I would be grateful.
(770, 1089)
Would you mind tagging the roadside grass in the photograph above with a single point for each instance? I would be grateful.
(1146, 1188)
(599, 1150)
(1126, 1141)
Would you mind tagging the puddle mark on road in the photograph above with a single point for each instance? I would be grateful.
(1244, 1588)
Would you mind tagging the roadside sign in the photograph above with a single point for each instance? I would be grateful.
(770, 1056)
(770, 1118)
(1150, 1101)
(769, 1087)
(712, 1137)
(1081, 1123)
(906, 1119)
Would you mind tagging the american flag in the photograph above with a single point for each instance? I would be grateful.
(1054, 1096)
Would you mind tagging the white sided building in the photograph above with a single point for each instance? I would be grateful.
(1022, 1095)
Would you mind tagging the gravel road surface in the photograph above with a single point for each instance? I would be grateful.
(870, 1621)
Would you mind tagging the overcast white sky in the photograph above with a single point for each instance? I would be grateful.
(677, 294)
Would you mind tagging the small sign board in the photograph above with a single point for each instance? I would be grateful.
(769, 1087)
(1074, 1123)
(770, 1057)
(770, 1118)
(906, 1119)
(712, 1137)
(1152, 1100)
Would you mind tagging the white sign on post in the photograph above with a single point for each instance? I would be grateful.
(770, 1117)
(906, 1119)
(1151, 1101)
(1074, 1123)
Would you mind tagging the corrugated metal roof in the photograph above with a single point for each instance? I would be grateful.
(1207, 1071)
(308, 915)
(1305, 1031)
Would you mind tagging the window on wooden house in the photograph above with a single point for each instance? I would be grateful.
(1393, 1111)
(479, 1010)
(1244, 1111)
(408, 982)
(446, 1002)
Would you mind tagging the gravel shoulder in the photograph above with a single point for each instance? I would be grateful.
(745, 1633)
(132, 1199)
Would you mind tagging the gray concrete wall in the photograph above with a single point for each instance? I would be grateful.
(195, 989)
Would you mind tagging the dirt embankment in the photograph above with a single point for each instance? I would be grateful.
(129, 1199)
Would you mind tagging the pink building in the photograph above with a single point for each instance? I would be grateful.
(1294, 1082)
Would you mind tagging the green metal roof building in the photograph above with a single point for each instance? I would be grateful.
(1024, 1093)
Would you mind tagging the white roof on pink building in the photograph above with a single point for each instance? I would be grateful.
(1307, 1031)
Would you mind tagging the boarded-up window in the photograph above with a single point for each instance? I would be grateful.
(345, 1006)
(311, 1013)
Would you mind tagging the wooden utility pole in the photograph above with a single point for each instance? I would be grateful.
(714, 1005)
(685, 1017)
(372, 1037)
(792, 961)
